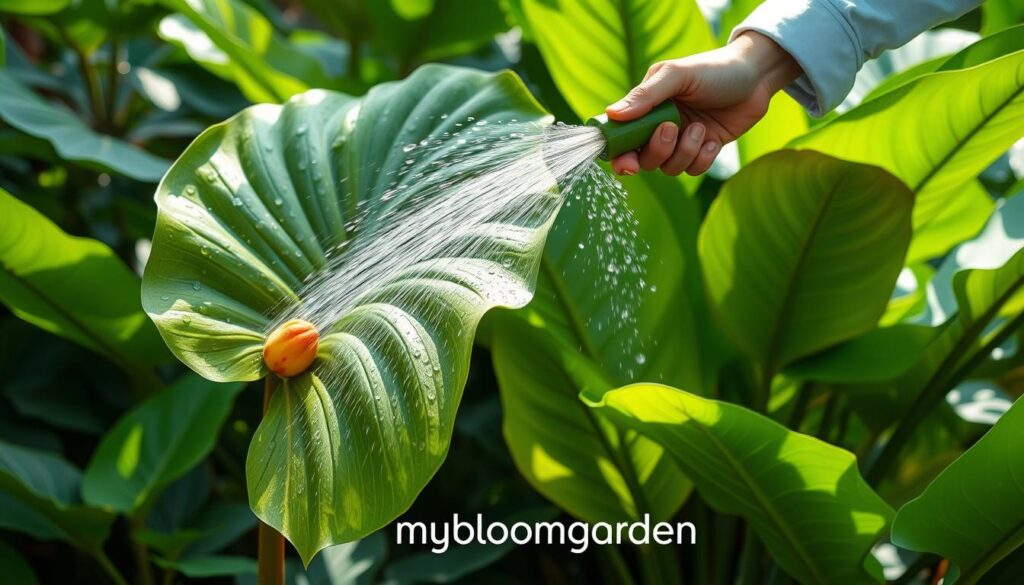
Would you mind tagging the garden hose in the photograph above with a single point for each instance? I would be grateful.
(622, 137)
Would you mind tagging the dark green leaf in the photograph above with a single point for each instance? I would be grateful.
(156, 443)
(801, 251)
(210, 566)
(15, 568)
(72, 139)
(803, 497)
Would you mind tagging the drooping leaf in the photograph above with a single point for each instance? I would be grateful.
(352, 563)
(15, 568)
(801, 251)
(210, 566)
(72, 139)
(936, 133)
(157, 442)
(598, 50)
(573, 456)
(803, 497)
(971, 512)
(784, 121)
(999, 14)
(879, 355)
(44, 489)
(251, 210)
(73, 287)
(235, 42)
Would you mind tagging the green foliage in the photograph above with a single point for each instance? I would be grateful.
(963, 134)
(803, 497)
(975, 500)
(213, 310)
(73, 287)
(810, 295)
(794, 227)
(156, 443)
(597, 51)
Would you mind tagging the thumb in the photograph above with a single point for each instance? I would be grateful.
(657, 88)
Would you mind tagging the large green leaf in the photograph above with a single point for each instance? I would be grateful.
(15, 568)
(69, 135)
(157, 442)
(598, 50)
(574, 456)
(936, 133)
(253, 208)
(803, 497)
(44, 492)
(73, 287)
(801, 251)
(999, 14)
(417, 30)
(971, 513)
(235, 42)
(33, 8)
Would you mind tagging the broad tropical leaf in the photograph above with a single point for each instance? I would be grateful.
(73, 287)
(801, 251)
(803, 497)
(936, 133)
(70, 137)
(574, 456)
(156, 443)
(44, 492)
(598, 50)
(252, 209)
(34, 8)
(235, 42)
(971, 513)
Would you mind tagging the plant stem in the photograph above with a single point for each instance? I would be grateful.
(803, 398)
(611, 559)
(750, 559)
(108, 567)
(112, 83)
(143, 571)
(271, 543)
(87, 72)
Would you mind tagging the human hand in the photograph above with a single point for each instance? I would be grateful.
(720, 95)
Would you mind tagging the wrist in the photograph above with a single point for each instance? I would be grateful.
(772, 64)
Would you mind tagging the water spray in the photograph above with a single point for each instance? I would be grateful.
(622, 137)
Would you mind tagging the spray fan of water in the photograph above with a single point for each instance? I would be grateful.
(487, 177)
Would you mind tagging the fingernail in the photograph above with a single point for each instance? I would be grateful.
(619, 106)
(696, 131)
(668, 133)
(711, 146)
(628, 172)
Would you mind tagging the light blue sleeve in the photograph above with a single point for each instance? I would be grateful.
(831, 39)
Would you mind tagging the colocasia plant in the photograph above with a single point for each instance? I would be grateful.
(815, 362)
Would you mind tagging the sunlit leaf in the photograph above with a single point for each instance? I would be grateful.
(246, 215)
(73, 287)
(937, 133)
(598, 50)
(971, 513)
(157, 442)
(801, 251)
(803, 497)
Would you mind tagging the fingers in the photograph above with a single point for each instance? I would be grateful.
(661, 83)
(707, 155)
(660, 147)
(686, 151)
(626, 164)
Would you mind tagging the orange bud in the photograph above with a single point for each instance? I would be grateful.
(291, 348)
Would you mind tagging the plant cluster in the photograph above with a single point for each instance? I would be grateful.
(829, 327)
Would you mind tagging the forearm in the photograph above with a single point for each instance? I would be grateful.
(831, 39)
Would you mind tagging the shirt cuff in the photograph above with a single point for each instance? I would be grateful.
(820, 39)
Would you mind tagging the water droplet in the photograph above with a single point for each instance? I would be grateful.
(641, 359)
(279, 202)
(186, 320)
(196, 285)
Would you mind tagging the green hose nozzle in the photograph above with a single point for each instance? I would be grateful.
(622, 137)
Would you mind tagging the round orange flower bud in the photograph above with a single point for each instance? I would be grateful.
(291, 348)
